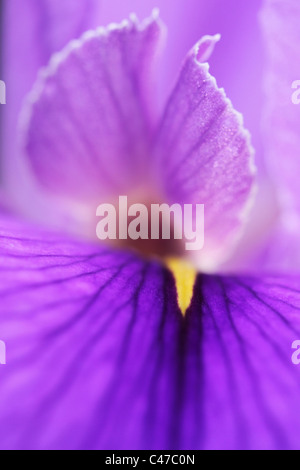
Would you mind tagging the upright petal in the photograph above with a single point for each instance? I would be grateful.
(204, 153)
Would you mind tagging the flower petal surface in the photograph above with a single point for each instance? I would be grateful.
(204, 153)
(33, 30)
(88, 123)
(98, 355)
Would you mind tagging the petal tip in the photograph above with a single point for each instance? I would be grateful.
(205, 47)
(155, 13)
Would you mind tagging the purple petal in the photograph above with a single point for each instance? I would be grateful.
(88, 128)
(99, 356)
(204, 152)
(88, 332)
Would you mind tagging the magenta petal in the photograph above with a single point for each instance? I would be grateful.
(88, 128)
(204, 152)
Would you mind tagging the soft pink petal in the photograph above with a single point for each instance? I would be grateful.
(280, 22)
(87, 123)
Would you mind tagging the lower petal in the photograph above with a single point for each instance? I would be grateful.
(246, 382)
(90, 336)
(204, 155)
(100, 357)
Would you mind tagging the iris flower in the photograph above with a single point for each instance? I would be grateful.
(108, 348)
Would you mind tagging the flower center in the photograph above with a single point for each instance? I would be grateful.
(152, 230)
